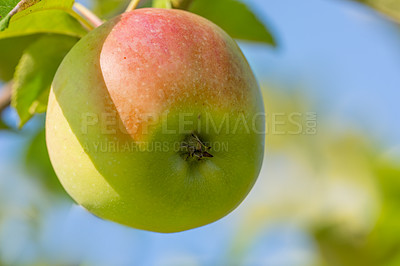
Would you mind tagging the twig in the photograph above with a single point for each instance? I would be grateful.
(18, 6)
(5, 96)
(87, 14)
(4, 22)
(132, 5)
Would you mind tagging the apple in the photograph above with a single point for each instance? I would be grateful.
(155, 121)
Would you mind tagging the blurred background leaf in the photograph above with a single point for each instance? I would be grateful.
(162, 4)
(107, 9)
(235, 18)
(35, 73)
(11, 50)
(3, 125)
(379, 247)
(390, 8)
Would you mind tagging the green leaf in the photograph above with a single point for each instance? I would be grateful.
(6, 6)
(33, 6)
(181, 4)
(162, 4)
(11, 50)
(235, 18)
(49, 16)
(5, 22)
(35, 73)
(47, 21)
(109, 8)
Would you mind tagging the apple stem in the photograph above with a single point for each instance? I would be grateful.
(21, 5)
(88, 15)
(132, 5)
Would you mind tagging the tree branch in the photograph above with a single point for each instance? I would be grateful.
(21, 6)
(132, 5)
(88, 15)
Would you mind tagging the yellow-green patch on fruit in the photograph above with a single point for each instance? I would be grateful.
(155, 121)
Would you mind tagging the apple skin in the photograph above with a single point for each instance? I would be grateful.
(130, 83)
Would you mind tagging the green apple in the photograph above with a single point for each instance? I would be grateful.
(155, 121)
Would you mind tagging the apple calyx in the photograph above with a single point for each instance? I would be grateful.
(193, 148)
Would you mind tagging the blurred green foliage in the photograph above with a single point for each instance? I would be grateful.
(381, 246)
(11, 50)
(337, 188)
(35, 72)
(107, 9)
(3, 125)
(162, 4)
(235, 18)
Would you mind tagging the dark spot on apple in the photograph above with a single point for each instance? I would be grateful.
(194, 149)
